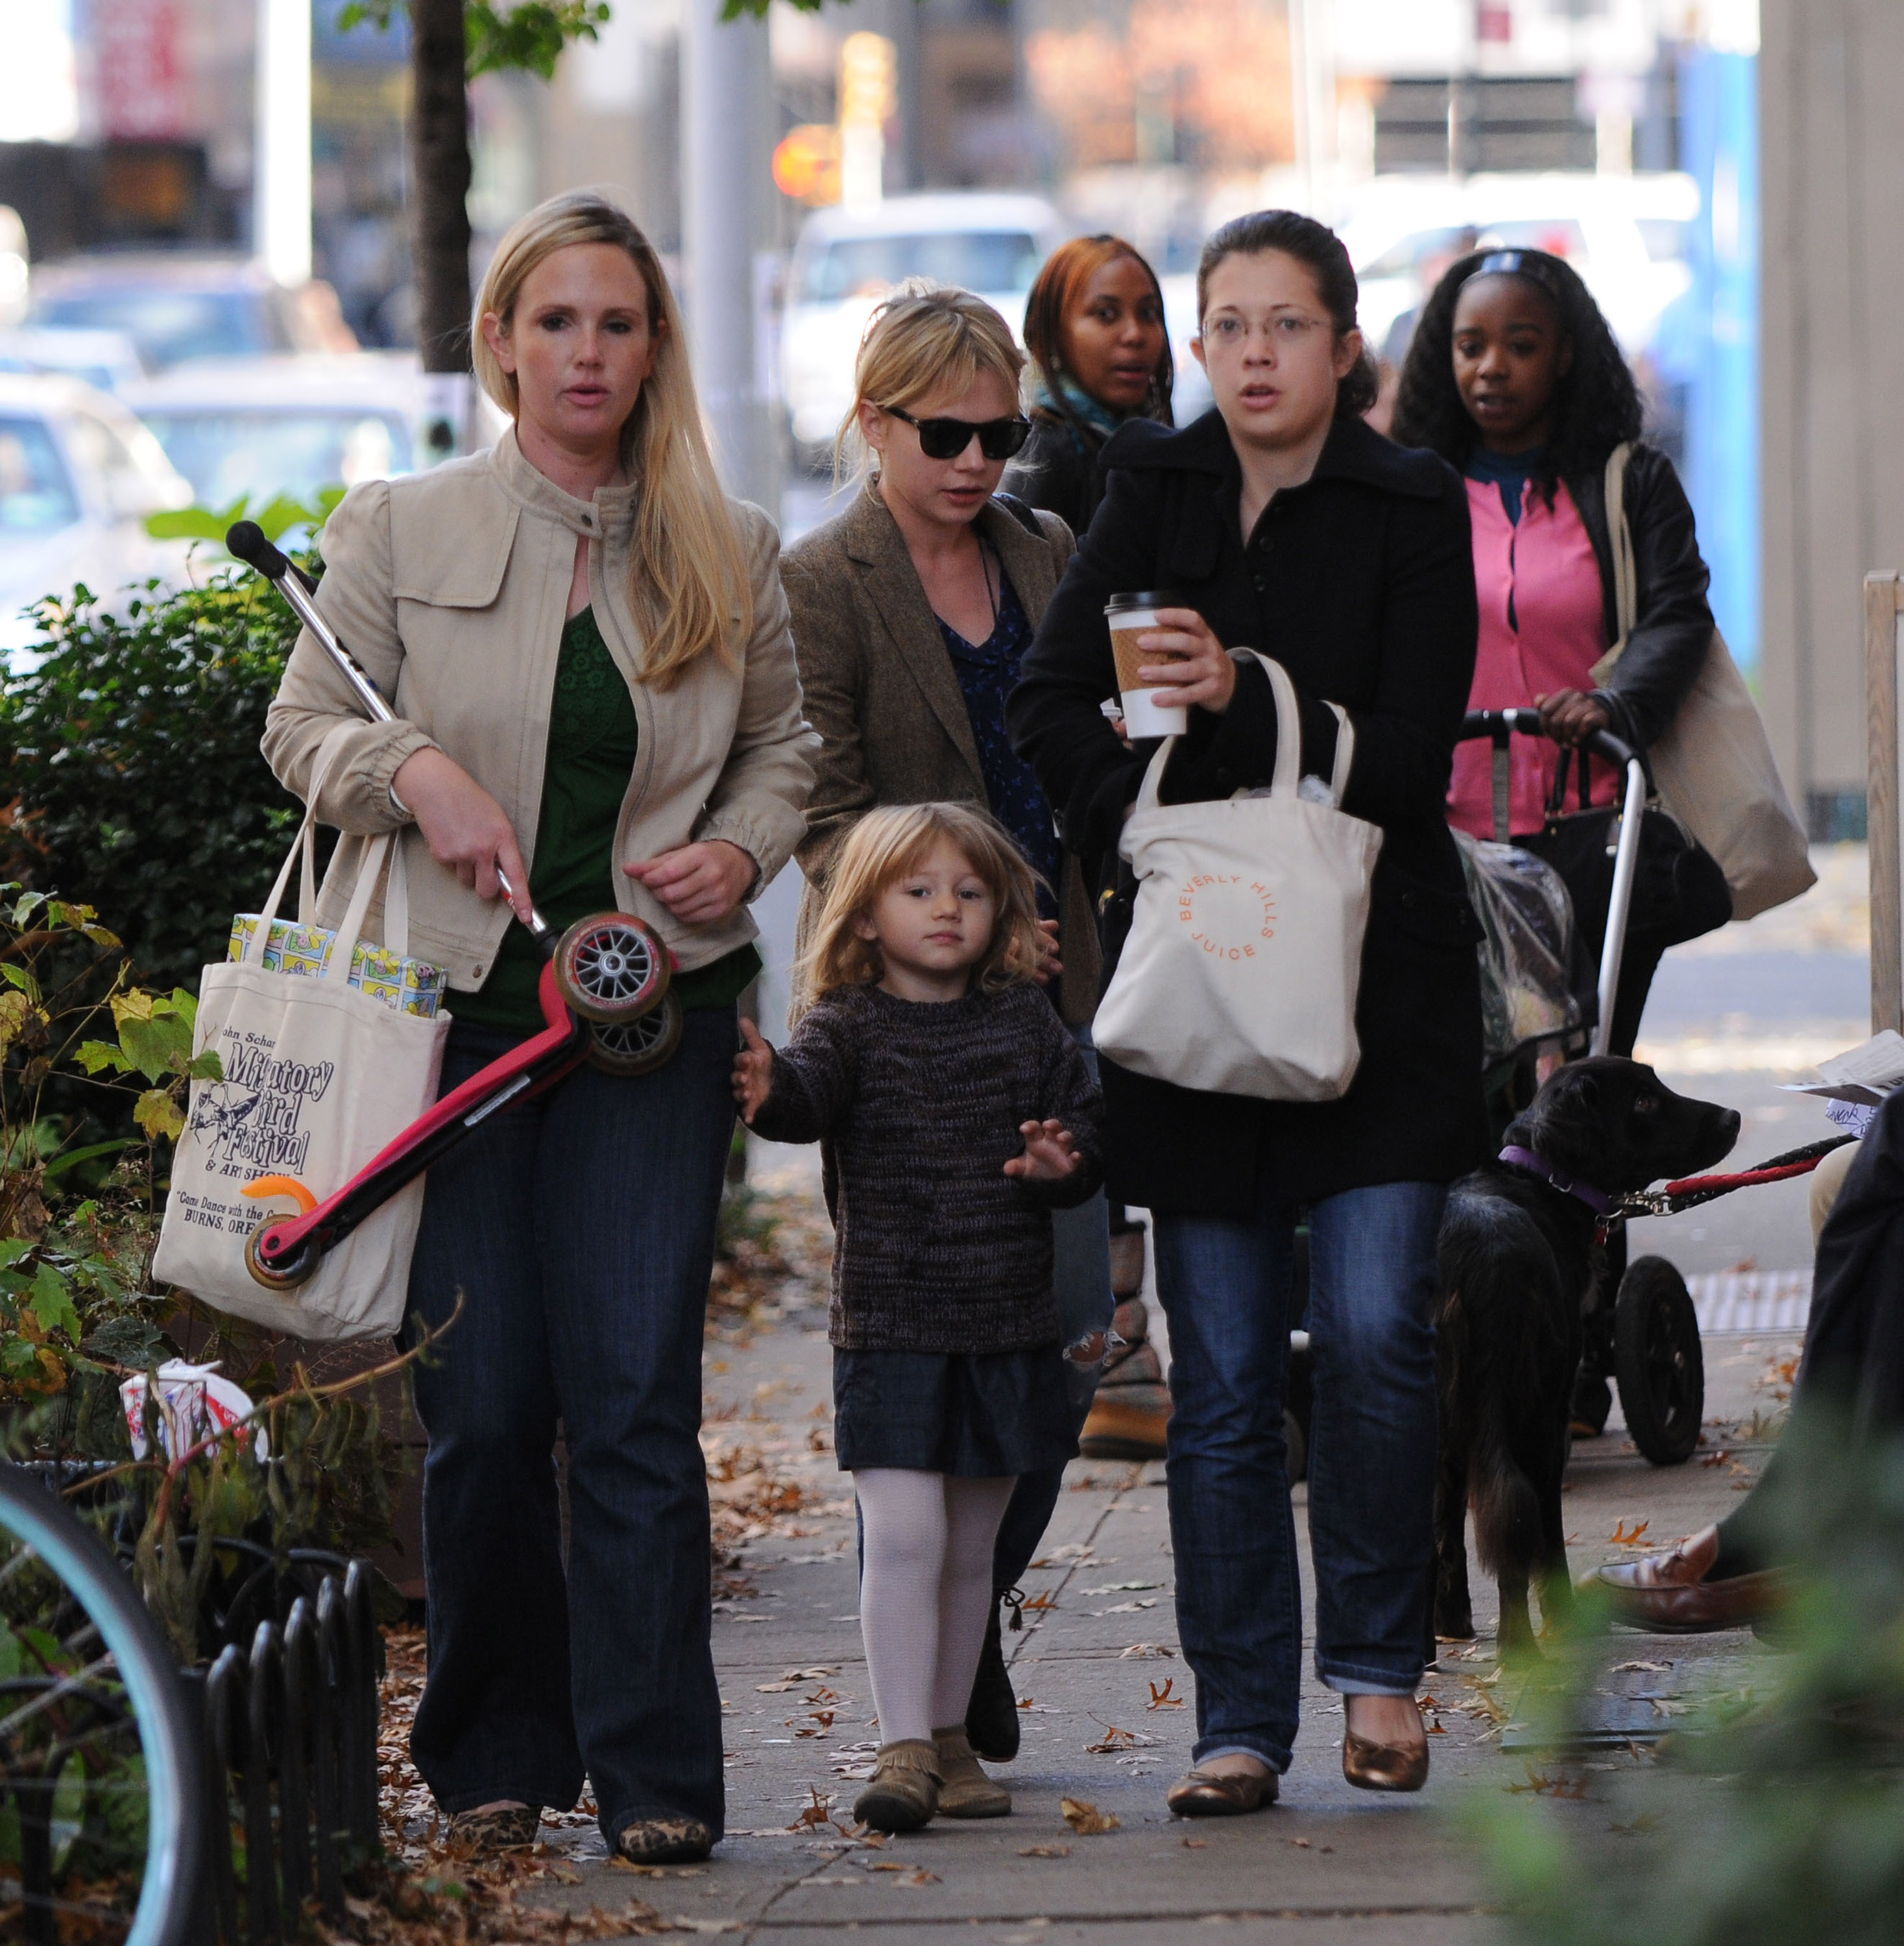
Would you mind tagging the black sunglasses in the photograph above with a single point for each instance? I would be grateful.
(946, 439)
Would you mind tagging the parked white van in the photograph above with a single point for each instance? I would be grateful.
(847, 260)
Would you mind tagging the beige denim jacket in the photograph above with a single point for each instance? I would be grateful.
(451, 588)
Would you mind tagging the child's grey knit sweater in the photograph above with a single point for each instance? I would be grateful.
(938, 1249)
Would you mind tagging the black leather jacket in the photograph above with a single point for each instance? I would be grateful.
(1673, 629)
(1058, 468)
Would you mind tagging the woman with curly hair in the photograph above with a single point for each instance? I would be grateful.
(1100, 355)
(1514, 377)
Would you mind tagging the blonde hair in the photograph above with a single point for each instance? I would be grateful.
(688, 583)
(926, 338)
(881, 849)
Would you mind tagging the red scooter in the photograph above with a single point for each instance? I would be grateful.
(603, 992)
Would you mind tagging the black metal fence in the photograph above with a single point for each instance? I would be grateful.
(288, 1711)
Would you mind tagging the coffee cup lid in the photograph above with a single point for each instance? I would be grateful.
(1155, 598)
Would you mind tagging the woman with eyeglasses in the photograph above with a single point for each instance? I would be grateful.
(911, 611)
(1100, 355)
(1282, 523)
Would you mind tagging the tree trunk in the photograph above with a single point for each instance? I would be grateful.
(439, 183)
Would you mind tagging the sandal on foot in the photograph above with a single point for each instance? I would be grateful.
(904, 1791)
(497, 1827)
(965, 1790)
(664, 1841)
(1202, 1793)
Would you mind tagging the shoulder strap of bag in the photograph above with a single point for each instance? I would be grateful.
(302, 849)
(337, 955)
(1284, 780)
(1626, 574)
(1345, 754)
(1021, 513)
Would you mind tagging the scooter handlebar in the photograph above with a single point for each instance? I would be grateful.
(245, 540)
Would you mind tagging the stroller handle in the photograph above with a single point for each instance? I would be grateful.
(246, 542)
(1498, 725)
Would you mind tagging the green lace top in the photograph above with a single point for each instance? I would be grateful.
(593, 737)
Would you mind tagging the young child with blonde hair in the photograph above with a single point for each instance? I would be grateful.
(958, 1113)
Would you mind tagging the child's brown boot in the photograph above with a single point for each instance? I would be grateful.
(965, 1790)
(904, 1792)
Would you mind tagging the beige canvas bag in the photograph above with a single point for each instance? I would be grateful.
(318, 1076)
(1244, 958)
(1714, 765)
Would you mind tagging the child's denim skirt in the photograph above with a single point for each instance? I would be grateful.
(977, 1416)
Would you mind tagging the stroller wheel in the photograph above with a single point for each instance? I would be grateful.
(638, 1046)
(287, 1273)
(1658, 1361)
(611, 967)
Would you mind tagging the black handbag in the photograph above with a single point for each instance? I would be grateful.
(1678, 890)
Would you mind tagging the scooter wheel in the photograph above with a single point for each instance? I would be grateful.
(639, 1046)
(1658, 1362)
(286, 1273)
(611, 967)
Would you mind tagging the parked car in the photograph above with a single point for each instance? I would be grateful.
(106, 359)
(847, 260)
(290, 423)
(79, 477)
(1627, 236)
(176, 306)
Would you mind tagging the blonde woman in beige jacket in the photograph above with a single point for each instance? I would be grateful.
(587, 648)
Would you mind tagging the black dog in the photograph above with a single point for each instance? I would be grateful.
(1521, 1264)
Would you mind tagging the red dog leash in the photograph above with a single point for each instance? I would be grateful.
(1691, 1190)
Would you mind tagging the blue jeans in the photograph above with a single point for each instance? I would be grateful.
(579, 1227)
(1080, 1245)
(1224, 1283)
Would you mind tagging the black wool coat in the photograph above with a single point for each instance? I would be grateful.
(1361, 583)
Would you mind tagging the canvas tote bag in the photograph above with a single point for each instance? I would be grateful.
(318, 1076)
(1714, 765)
(1239, 974)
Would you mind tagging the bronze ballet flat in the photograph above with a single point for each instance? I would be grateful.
(1372, 1766)
(1198, 1793)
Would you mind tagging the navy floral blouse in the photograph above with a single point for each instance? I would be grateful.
(988, 671)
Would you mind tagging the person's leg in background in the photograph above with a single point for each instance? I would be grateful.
(1080, 1239)
(627, 1194)
(1372, 1441)
(495, 1725)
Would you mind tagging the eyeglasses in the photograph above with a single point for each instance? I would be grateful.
(1289, 328)
(946, 439)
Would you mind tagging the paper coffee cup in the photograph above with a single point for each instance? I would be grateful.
(1146, 713)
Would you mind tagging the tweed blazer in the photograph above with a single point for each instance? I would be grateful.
(880, 689)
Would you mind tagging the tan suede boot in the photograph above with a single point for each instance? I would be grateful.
(904, 1792)
(965, 1790)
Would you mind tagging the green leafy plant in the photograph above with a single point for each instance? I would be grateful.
(282, 514)
(76, 1215)
(131, 758)
(531, 34)
(1775, 1816)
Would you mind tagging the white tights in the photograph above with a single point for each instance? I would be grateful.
(925, 1593)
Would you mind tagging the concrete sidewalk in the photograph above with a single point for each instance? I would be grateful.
(1109, 1706)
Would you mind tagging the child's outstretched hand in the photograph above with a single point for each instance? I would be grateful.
(753, 1072)
(1050, 1154)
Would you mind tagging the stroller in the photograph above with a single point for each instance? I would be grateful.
(1543, 1003)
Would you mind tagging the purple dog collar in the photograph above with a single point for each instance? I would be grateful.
(1597, 1201)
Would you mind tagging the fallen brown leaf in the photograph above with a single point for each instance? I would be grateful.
(1044, 1851)
(1086, 1820)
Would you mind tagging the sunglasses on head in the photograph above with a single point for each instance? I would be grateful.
(946, 439)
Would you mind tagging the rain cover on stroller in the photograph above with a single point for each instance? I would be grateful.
(1528, 959)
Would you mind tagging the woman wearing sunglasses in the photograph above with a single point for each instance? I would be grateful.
(911, 612)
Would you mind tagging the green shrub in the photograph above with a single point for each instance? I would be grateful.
(130, 757)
